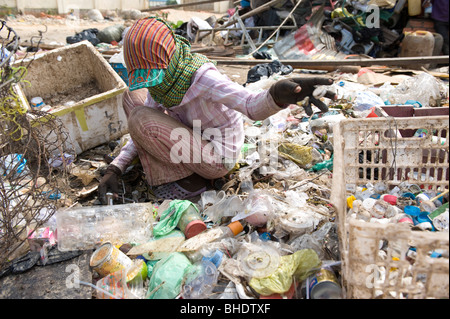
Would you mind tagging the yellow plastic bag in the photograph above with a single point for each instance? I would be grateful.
(298, 265)
(301, 155)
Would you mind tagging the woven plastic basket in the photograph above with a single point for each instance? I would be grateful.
(375, 150)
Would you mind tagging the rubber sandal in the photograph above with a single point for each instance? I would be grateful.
(174, 191)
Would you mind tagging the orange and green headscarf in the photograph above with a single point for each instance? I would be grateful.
(160, 60)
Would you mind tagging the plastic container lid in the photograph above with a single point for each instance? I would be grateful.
(368, 203)
(421, 197)
(350, 201)
(236, 227)
(422, 218)
(410, 195)
(406, 220)
(412, 210)
(194, 228)
(391, 199)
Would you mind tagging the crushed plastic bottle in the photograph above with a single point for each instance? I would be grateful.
(84, 228)
(200, 280)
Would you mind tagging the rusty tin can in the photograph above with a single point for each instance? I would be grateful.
(108, 259)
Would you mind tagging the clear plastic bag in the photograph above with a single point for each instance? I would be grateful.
(258, 209)
(223, 207)
(423, 88)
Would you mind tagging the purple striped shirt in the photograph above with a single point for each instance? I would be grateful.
(215, 102)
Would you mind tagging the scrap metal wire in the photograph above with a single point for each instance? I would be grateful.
(32, 187)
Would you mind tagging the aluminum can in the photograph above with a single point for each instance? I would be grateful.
(324, 285)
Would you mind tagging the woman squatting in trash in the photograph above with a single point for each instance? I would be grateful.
(184, 116)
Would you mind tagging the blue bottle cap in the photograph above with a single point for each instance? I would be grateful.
(412, 210)
(422, 218)
(409, 195)
(435, 254)
(265, 236)
(215, 258)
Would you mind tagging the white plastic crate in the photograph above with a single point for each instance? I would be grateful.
(385, 150)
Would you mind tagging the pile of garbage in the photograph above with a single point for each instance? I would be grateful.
(266, 230)
(259, 232)
(300, 30)
(307, 30)
(188, 250)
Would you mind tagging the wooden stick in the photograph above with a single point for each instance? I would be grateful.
(172, 6)
(438, 196)
(261, 8)
(347, 62)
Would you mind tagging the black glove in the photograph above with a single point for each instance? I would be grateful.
(109, 182)
(293, 90)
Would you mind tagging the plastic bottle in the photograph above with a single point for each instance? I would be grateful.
(14, 166)
(232, 229)
(191, 223)
(364, 194)
(215, 257)
(84, 228)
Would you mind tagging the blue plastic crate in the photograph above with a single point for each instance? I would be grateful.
(121, 70)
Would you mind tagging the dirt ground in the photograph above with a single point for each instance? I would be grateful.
(57, 29)
(54, 32)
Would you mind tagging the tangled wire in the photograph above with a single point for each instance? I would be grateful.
(32, 187)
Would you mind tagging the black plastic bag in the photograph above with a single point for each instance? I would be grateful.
(88, 34)
(262, 55)
(267, 69)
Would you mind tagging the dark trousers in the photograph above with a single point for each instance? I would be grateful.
(441, 27)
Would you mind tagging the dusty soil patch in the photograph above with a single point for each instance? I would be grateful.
(56, 30)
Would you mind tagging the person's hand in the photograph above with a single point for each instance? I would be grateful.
(291, 91)
(109, 182)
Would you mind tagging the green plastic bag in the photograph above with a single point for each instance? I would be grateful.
(298, 265)
(328, 164)
(111, 33)
(171, 216)
(167, 276)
